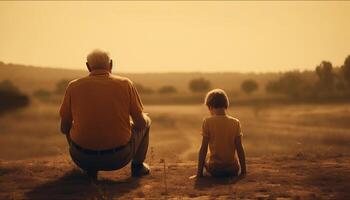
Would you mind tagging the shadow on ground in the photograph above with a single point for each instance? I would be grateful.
(76, 184)
(325, 177)
(208, 182)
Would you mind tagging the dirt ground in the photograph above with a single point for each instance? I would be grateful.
(293, 177)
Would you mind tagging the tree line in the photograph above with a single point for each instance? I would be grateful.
(324, 82)
(330, 82)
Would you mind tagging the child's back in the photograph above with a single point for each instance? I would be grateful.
(222, 131)
(222, 134)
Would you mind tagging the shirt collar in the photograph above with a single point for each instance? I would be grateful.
(99, 72)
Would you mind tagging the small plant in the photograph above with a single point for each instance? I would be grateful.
(151, 156)
(164, 176)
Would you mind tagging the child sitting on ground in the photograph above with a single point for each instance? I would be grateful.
(223, 135)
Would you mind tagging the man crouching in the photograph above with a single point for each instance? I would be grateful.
(95, 117)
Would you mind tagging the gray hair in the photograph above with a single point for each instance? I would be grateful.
(98, 59)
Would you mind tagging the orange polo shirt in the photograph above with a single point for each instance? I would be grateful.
(99, 107)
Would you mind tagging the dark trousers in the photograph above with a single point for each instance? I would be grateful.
(135, 150)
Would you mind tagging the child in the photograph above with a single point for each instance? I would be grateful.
(223, 135)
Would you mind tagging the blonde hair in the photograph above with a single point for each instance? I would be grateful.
(98, 59)
(216, 98)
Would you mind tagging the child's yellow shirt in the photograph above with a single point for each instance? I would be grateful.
(222, 131)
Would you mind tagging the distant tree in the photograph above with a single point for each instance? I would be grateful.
(168, 89)
(61, 86)
(8, 86)
(249, 86)
(326, 76)
(272, 87)
(11, 97)
(199, 85)
(143, 90)
(346, 70)
(290, 83)
(340, 85)
(42, 94)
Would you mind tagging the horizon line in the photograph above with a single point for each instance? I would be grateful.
(168, 72)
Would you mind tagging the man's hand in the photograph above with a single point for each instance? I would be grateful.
(147, 119)
(66, 125)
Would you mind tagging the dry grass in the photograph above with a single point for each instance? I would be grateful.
(175, 133)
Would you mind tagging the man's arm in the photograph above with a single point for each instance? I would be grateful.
(241, 154)
(66, 125)
(201, 157)
(66, 113)
(141, 120)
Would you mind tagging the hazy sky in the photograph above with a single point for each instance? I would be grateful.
(177, 36)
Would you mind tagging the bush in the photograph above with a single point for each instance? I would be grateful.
(143, 90)
(7, 86)
(199, 85)
(249, 86)
(61, 86)
(167, 90)
(42, 94)
(11, 97)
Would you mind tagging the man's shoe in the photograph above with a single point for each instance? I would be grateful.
(138, 170)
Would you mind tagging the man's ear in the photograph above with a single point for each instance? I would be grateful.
(110, 65)
(87, 65)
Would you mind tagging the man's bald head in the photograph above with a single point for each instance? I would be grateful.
(98, 59)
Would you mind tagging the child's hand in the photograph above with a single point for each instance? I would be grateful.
(243, 173)
(196, 176)
(192, 177)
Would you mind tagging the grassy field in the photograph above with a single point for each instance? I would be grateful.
(175, 133)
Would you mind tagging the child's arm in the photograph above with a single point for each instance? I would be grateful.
(202, 154)
(241, 154)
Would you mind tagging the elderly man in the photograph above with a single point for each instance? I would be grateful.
(95, 116)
